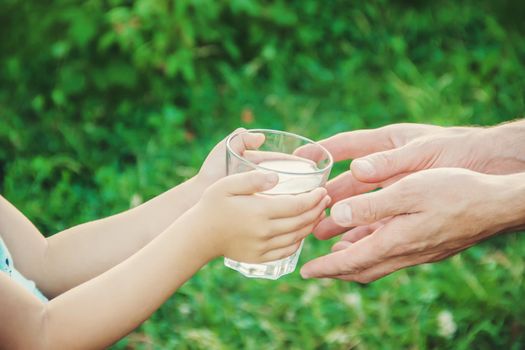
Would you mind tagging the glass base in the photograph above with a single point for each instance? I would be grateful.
(271, 270)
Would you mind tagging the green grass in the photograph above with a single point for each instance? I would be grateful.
(219, 309)
(92, 115)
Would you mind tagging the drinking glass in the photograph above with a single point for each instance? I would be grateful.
(301, 164)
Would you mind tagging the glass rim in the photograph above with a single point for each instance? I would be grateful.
(273, 131)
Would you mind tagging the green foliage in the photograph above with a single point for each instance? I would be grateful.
(105, 102)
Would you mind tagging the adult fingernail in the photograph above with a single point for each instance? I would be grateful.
(342, 214)
(304, 273)
(363, 166)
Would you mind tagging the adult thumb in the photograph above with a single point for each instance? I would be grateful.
(381, 166)
(371, 207)
(248, 183)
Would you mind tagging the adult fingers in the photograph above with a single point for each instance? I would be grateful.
(353, 144)
(306, 218)
(246, 183)
(360, 232)
(356, 234)
(385, 268)
(284, 206)
(365, 253)
(346, 185)
(341, 245)
(327, 229)
(381, 166)
(376, 272)
(355, 257)
(371, 207)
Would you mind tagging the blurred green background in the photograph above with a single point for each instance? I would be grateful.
(106, 103)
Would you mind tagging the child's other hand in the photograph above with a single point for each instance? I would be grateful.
(245, 226)
(214, 166)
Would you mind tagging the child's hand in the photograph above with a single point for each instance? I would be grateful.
(245, 226)
(214, 167)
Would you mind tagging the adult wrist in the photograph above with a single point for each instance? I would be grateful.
(510, 201)
(505, 148)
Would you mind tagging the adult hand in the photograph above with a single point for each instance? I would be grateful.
(383, 156)
(430, 215)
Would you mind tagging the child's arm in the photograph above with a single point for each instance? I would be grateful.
(98, 312)
(80, 253)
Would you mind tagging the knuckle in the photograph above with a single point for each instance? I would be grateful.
(386, 159)
(301, 206)
(352, 267)
(397, 250)
(263, 247)
(307, 218)
(261, 210)
(366, 210)
(264, 231)
(406, 185)
(300, 235)
(292, 239)
(291, 250)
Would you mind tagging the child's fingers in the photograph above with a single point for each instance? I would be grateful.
(246, 141)
(286, 240)
(292, 224)
(246, 183)
(258, 156)
(311, 151)
(281, 253)
(319, 219)
(284, 206)
(292, 239)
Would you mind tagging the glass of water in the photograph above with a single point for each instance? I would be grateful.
(302, 166)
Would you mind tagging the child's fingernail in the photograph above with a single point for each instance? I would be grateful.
(327, 200)
(342, 214)
(271, 177)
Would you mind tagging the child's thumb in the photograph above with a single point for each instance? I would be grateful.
(249, 182)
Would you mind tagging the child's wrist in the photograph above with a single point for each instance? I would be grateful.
(507, 206)
(197, 185)
(199, 233)
(201, 183)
